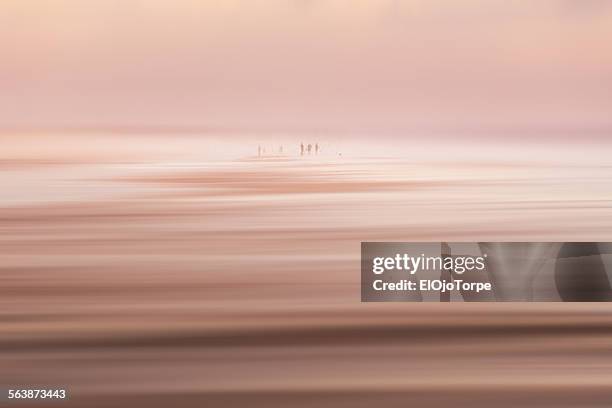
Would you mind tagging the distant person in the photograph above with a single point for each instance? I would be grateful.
(309, 148)
(280, 149)
(317, 148)
(259, 151)
(301, 149)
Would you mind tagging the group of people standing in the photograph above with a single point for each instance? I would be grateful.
(304, 149)
(309, 148)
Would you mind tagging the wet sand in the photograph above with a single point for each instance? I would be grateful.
(236, 283)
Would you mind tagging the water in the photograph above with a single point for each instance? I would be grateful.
(163, 280)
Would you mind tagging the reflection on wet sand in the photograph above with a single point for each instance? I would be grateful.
(237, 284)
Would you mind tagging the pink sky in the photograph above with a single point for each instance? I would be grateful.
(303, 64)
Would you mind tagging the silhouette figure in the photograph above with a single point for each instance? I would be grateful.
(309, 148)
(301, 149)
(280, 149)
(259, 151)
(317, 148)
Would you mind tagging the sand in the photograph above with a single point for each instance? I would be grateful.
(235, 282)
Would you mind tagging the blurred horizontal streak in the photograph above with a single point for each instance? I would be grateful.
(292, 335)
(569, 396)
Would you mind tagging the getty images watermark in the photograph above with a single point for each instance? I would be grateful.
(486, 271)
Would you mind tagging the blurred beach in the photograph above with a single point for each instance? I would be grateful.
(164, 240)
(165, 274)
